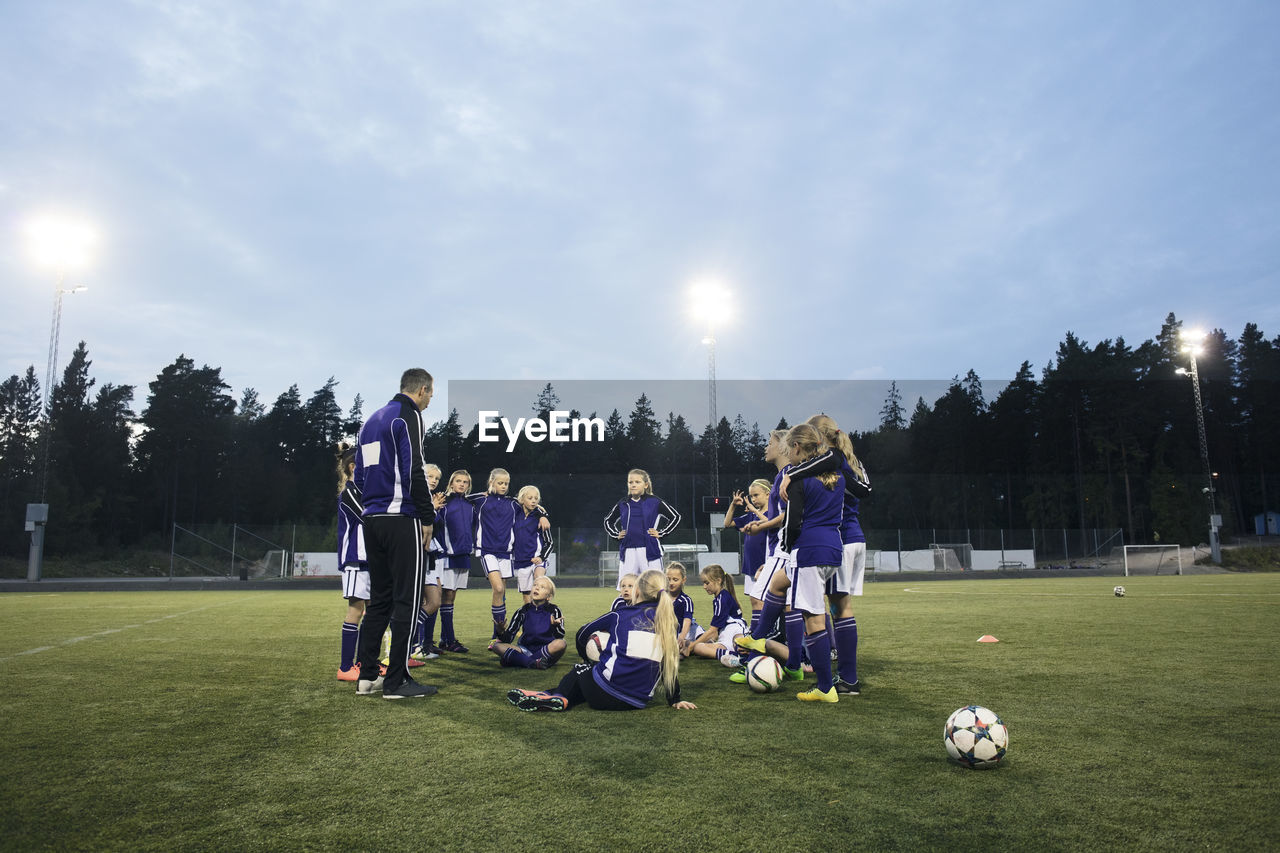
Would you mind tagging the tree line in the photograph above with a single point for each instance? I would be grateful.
(1104, 435)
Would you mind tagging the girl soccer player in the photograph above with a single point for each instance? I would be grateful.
(811, 536)
(542, 623)
(495, 533)
(532, 544)
(455, 536)
(626, 597)
(355, 572)
(639, 520)
(726, 618)
(742, 512)
(424, 647)
(641, 653)
(776, 561)
(626, 590)
(848, 580)
(686, 628)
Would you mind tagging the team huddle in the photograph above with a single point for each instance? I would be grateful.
(406, 549)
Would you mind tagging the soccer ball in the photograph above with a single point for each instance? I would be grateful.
(975, 737)
(596, 644)
(764, 674)
(1119, 591)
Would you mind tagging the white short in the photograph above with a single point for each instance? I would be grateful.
(734, 628)
(809, 588)
(779, 562)
(848, 580)
(453, 578)
(355, 584)
(526, 576)
(501, 565)
(431, 572)
(635, 561)
(695, 630)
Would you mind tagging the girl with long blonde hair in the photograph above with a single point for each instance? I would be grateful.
(640, 650)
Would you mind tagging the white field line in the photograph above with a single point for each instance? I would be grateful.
(73, 640)
(1095, 594)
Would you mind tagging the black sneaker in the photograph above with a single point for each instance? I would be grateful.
(541, 702)
(515, 694)
(454, 646)
(849, 689)
(409, 689)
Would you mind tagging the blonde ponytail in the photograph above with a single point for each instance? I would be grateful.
(652, 586)
(832, 435)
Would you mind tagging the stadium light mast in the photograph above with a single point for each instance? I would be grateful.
(1193, 345)
(64, 246)
(710, 307)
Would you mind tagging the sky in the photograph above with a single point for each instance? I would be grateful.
(884, 190)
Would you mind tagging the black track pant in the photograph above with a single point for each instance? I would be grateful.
(393, 546)
(579, 686)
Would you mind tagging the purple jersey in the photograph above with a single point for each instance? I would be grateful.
(812, 530)
(724, 608)
(529, 541)
(753, 544)
(773, 508)
(628, 668)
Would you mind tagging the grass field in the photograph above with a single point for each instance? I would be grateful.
(212, 721)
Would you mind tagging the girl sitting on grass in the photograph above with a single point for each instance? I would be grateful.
(542, 623)
(726, 619)
(626, 591)
(640, 653)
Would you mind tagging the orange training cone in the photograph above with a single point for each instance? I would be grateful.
(987, 638)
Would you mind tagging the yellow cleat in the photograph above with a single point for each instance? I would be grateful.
(746, 641)
(816, 695)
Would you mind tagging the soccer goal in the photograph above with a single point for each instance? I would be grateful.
(952, 556)
(1152, 560)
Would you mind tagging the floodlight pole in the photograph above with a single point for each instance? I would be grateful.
(55, 333)
(38, 513)
(1215, 548)
(710, 341)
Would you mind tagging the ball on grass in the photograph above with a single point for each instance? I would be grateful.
(764, 674)
(975, 737)
(1119, 591)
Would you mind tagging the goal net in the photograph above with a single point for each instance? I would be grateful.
(952, 556)
(1152, 560)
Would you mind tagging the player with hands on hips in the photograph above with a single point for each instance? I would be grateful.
(639, 521)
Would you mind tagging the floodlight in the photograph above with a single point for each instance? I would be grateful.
(61, 244)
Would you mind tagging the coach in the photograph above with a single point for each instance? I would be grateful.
(397, 523)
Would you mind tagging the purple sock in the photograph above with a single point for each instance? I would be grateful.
(795, 641)
(499, 619)
(419, 626)
(847, 648)
(820, 656)
(515, 656)
(350, 634)
(429, 630)
(769, 612)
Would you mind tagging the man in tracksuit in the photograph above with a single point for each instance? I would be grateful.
(398, 515)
